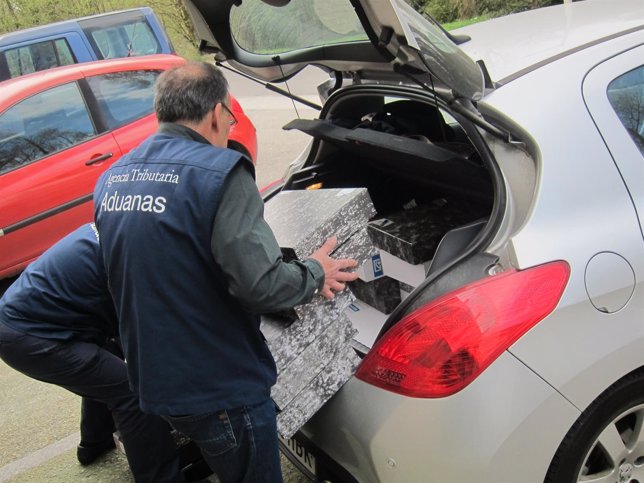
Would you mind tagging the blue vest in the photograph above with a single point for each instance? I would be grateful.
(190, 347)
(63, 294)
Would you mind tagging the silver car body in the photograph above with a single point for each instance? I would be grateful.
(572, 196)
(573, 186)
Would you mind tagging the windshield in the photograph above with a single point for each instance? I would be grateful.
(262, 29)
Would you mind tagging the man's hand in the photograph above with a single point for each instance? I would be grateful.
(335, 277)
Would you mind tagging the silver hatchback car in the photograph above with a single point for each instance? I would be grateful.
(510, 153)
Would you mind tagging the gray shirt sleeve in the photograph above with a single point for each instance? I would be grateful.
(245, 248)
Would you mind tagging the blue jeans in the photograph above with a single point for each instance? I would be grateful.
(240, 445)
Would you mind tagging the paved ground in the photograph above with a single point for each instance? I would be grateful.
(39, 422)
(39, 434)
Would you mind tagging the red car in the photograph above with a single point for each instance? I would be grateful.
(59, 130)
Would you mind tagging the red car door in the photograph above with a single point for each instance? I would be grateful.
(50, 158)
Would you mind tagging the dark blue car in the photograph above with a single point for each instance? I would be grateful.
(125, 33)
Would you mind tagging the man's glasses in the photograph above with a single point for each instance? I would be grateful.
(233, 120)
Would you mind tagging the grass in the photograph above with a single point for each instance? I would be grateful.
(462, 23)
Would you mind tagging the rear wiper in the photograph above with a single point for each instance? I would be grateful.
(132, 39)
(271, 87)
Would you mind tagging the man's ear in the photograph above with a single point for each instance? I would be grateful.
(216, 116)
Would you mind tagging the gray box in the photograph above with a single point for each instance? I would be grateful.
(286, 342)
(313, 354)
(303, 219)
(312, 360)
(317, 392)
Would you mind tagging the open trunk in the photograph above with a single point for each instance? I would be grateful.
(433, 191)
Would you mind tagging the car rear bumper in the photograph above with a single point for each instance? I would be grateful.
(504, 427)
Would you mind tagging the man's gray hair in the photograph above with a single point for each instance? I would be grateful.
(188, 92)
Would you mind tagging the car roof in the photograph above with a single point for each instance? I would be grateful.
(515, 44)
(12, 90)
(22, 35)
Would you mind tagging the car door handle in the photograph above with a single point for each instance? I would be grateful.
(98, 159)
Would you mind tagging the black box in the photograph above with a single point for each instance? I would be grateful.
(414, 234)
(382, 294)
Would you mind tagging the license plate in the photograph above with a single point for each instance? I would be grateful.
(299, 453)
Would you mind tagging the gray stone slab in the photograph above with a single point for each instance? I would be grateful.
(293, 378)
(286, 342)
(359, 247)
(303, 219)
(322, 311)
(313, 353)
(317, 392)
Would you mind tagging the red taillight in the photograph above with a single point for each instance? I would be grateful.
(443, 346)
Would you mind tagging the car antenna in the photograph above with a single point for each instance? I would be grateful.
(276, 59)
(270, 87)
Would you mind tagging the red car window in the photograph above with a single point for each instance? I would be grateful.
(43, 124)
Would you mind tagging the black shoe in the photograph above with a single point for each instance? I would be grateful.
(87, 453)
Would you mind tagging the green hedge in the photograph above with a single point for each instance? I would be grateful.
(451, 10)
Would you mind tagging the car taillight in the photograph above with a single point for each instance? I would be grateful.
(443, 346)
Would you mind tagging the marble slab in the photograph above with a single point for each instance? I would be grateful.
(286, 342)
(297, 375)
(359, 247)
(414, 234)
(317, 392)
(303, 219)
(311, 345)
(382, 293)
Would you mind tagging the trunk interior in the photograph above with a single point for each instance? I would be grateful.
(430, 187)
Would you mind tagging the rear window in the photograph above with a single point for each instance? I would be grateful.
(35, 57)
(262, 29)
(116, 36)
(626, 95)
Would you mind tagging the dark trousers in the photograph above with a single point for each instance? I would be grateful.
(240, 445)
(96, 422)
(100, 377)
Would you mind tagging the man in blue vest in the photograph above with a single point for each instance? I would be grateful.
(56, 324)
(191, 263)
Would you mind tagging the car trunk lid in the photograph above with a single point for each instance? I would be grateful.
(272, 40)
